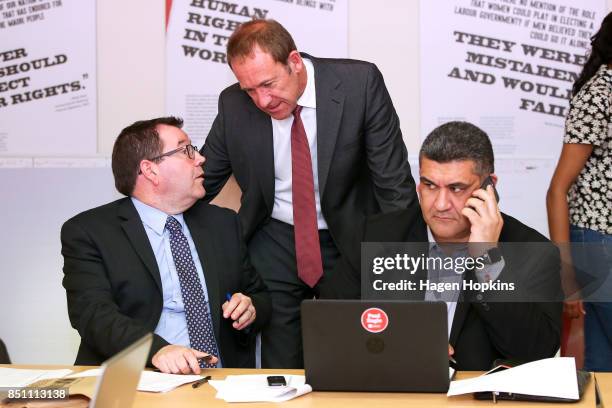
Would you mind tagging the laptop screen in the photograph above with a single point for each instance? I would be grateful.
(359, 345)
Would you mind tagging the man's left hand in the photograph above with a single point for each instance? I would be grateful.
(240, 309)
(485, 219)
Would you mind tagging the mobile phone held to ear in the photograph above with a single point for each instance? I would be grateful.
(489, 182)
(276, 381)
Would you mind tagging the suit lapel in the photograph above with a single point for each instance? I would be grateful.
(330, 104)
(132, 225)
(261, 148)
(206, 247)
(461, 312)
(422, 274)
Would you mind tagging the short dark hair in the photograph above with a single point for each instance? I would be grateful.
(268, 34)
(135, 143)
(456, 141)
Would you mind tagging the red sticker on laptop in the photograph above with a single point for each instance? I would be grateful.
(374, 320)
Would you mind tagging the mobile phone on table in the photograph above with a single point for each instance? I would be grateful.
(276, 381)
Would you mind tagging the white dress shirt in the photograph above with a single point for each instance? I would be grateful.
(281, 133)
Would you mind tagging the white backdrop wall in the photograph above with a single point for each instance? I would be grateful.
(33, 317)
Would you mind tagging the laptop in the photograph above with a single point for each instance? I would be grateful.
(116, 387)
(361, 345)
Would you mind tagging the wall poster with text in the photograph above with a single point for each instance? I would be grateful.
(507, 66)
(47, 78)
(196, 39)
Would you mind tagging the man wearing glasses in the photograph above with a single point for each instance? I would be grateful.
(162, 261)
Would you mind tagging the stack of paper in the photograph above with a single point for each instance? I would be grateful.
(150, 381)
(16, 377)
(551, 377)
(254, 388)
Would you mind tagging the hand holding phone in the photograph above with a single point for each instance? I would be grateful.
(483, 213)
(489, 182)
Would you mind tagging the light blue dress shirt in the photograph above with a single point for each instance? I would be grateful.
(172, 325)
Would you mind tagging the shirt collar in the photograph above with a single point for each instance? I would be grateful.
(155, 218)
(309, 96)
(433, 244)
(430, 236)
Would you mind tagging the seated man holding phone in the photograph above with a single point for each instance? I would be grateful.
(459, 213)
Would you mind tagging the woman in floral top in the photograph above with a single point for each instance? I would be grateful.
(579, 200)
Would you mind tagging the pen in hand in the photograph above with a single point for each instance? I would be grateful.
(205, 359)
(200, 382)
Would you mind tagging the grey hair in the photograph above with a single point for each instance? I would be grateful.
(457, 141)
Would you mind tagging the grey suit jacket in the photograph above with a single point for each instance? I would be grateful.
(362, 160)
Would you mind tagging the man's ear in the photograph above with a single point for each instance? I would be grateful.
(494, 178)
(295, 61)
(149, 170)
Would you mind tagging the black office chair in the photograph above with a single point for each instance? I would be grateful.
(4, 356)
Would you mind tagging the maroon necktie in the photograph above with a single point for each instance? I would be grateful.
(307, 248)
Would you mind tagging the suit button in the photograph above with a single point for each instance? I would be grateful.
(479, 297)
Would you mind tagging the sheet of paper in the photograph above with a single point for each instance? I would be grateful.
(150, 381)
(17, 377)
(553, 377)
(254, 388)
(94, 372)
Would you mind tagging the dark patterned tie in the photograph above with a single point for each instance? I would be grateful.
(199, 322)
(307, 247)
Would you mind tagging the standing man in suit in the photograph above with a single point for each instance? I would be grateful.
(459, 219)
(162, 261)
(315, 145)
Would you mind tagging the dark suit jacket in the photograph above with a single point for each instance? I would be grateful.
(362, 160)
(483, 329)
(114, 287)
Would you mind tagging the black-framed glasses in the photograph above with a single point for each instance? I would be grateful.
(189, 151)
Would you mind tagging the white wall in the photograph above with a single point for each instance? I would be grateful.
(386, 32)
(131, 51)
(33, 317)
(35, 202)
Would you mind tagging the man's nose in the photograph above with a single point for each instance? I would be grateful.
(199, 159)
(442, 202)
(263, 98)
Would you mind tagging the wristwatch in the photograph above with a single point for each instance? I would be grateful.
(493, 255)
